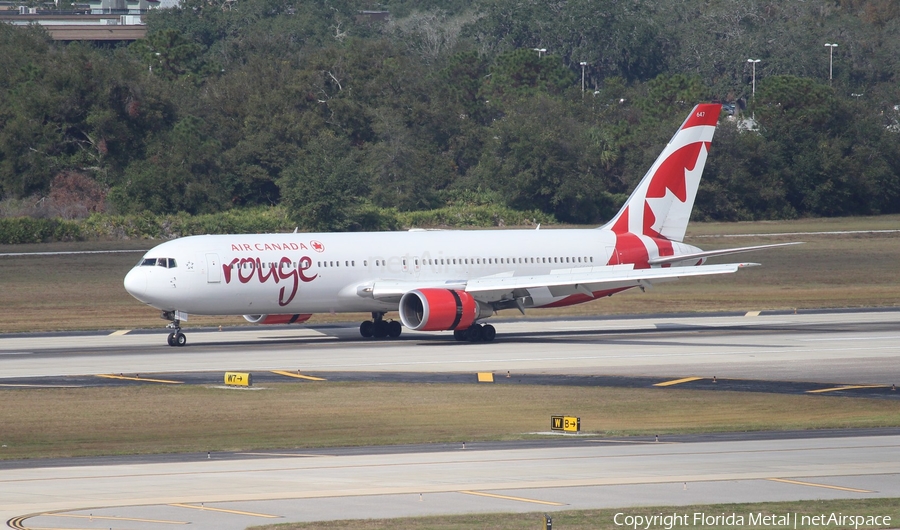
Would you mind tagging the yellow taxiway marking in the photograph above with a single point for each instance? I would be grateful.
(297, 375)
(520, 499)
(845, 387)
(112, 518)
(799, 483)
(678, 381)
(223, 510)
(127, 378)
(119, 333)
(485, 377)
(752, 314)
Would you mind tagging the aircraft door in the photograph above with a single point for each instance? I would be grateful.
(213, 269)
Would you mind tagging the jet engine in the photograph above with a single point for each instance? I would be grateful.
(276, 319)
(441, 309)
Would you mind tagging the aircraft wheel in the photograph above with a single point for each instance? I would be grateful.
(171, 339)
(474, 333)
(367, 329)
(394, 329)
(381, 330)
(459, 334)
(180, 339)
(488, 333)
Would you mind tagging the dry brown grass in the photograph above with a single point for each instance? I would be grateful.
(837, 271)
(151, 419)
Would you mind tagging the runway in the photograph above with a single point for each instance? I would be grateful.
(237, 490)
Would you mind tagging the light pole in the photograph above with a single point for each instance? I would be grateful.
(753, 62)
(583, 64)
(831, 48)
(542, 51)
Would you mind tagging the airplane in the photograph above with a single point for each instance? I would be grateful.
(442, 280)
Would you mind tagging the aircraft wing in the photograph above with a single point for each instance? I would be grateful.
(588, 280)
(563, 282)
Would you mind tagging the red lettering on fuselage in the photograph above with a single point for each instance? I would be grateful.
(249, 268)
(262, 247)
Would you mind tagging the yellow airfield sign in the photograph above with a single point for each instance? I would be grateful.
(565, 423)
(238, 379)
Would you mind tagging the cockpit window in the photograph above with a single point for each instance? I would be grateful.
(168, 263)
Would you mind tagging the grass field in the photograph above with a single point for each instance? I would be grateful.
(39, 423)
(67, 292)
(605, 519)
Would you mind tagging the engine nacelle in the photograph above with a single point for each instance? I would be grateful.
(276, 319)
(440, 309)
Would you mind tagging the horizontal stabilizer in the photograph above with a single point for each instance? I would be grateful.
(711, 253)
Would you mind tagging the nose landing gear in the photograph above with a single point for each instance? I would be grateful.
(175, 338)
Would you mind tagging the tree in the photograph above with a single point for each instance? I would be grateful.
(324, 190)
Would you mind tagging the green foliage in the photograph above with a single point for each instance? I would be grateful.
(536, 160)
(523, 72)
(16, 230)
(668, 94)
(473, 216)
(170, 54)
(350, 124)
(148, 226)
(324, 189)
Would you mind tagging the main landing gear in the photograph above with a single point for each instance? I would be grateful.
(176, 338)
(476, 333)
(380, 328)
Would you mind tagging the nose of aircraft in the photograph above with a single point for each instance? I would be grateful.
(136, 284)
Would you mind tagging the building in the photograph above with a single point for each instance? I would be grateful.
(99, 20)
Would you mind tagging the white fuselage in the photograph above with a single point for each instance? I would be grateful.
(326, 272)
